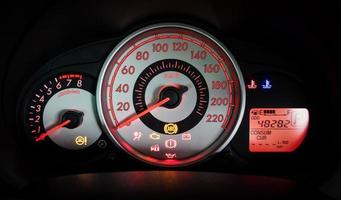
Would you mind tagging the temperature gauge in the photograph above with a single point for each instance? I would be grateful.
(60, 110)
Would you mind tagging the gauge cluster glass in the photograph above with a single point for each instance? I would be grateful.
(171, 95)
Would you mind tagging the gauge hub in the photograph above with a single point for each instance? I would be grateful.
(175, 95)
(76, 118)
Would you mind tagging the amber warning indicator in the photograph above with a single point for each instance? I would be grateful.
(277, 129)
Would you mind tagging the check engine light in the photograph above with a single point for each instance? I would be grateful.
(277, 129)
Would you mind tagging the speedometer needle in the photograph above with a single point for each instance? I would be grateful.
(128, 121)
(52, 130)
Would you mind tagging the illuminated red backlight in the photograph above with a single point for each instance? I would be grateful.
(277, 129)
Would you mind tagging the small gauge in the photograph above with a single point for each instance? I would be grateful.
(61, 110)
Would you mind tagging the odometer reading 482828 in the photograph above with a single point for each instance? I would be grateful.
(171, 95)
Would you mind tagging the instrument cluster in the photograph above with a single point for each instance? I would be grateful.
(169, 95)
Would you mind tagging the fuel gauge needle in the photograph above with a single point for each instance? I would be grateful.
(128, 121)
(52, 130)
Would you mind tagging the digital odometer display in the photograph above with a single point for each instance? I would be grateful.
(277, 129)
(171, 95)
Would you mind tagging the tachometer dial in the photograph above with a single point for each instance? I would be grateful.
(171, 95)
(60, 109)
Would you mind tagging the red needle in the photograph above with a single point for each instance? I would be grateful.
(52, 130)
(135, 117)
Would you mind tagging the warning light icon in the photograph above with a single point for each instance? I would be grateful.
(81, 140)
(170, 129)
(267, 85)
(155, 148)
(186, 136)
(137, 136)
(252, 85)
(154, 136)
(170, 144)
(170, 155)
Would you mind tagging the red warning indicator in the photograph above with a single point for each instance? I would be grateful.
(277, 129)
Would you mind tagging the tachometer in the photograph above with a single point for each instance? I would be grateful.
(60, 110)
(171, 95)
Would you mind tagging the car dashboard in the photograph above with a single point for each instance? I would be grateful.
(180, 99)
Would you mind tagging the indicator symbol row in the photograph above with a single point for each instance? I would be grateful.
(156, 136)
(265, 85)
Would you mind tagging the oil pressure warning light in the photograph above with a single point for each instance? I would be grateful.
(277, 129)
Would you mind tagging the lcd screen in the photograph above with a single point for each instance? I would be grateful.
(277, 129)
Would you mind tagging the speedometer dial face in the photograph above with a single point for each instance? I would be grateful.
(171, 95)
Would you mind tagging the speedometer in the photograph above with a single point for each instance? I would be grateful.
(171, 95)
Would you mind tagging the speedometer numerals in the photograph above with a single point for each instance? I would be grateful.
(219, 85)
(130, 70)
(199, 55)
(216, 118)
(164, 47)
(142, 55)
(211, 68)
(180, 46)
(122, 88)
